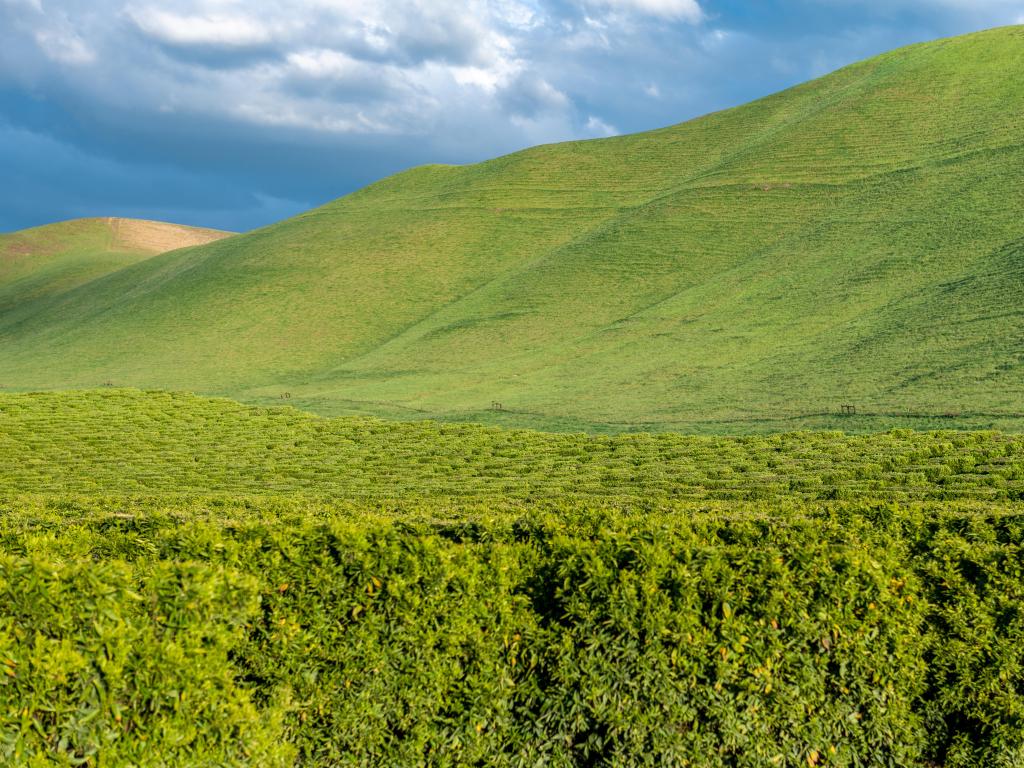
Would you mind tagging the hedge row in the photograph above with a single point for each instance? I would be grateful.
(274, 635)
(129, 442)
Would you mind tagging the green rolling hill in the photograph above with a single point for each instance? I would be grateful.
(856, 240)
(41, 264)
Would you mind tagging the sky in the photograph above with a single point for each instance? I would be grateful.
(238, 113)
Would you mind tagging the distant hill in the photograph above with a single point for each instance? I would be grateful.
(857, 240)
(48, 261)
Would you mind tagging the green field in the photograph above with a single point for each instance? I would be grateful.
(855, 240)
(194, 582)
(130, 442)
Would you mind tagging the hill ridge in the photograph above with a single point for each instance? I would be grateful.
(782, 257)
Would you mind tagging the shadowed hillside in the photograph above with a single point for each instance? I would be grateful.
(855, 240)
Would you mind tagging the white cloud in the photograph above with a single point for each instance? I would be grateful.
(490, 71)
(273, 115)
(324, 63)
(686, 10)
(64, 49)
(232, 30)
(488, 79)
(715, 37)
(519, 15)
(62, 45)
(597, 127)
(331, 66)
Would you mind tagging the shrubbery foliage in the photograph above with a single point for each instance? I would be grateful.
(281, 632)
(125, 441)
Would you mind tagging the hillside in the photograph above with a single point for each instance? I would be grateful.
(48, 261)
(855, 240)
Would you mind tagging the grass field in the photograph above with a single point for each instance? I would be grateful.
(855, 240)
(194, 582)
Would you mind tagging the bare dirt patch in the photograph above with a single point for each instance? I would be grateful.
(158, 237)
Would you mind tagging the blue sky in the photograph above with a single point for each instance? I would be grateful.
(237, 113)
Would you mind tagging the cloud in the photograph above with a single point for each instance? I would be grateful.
(531, 94)
(485, 74)
(337, 76)
(595, 126)
(64, 46)
(214, 29)
(687, 10)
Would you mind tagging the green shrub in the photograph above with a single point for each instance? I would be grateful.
(116, 664)
(280, 632)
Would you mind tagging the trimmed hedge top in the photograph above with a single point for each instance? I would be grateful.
(126, 441)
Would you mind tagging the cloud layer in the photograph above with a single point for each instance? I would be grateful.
(237, 112)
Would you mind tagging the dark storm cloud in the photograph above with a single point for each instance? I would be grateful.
(232, 114)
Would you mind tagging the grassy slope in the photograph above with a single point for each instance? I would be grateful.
(41, 264)
(856, 239)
